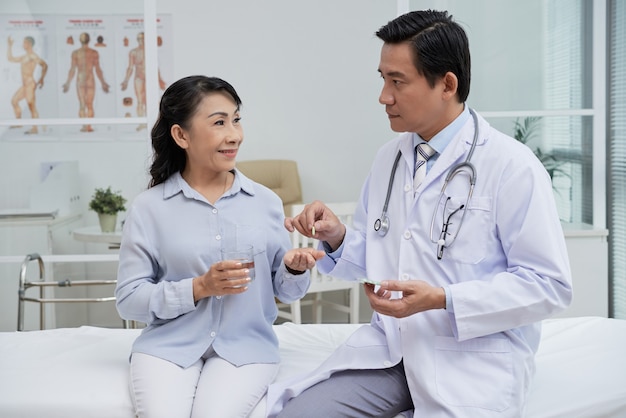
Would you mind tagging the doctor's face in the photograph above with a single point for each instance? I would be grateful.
(412, 105)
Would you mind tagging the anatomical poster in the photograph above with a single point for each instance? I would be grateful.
(86, 68)
(130, 51)
(77, 66)
(28, 85)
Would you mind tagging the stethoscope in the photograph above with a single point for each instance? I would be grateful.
(381, 225)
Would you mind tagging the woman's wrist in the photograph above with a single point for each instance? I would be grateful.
(294, 272)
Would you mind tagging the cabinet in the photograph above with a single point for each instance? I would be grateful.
(588, 254)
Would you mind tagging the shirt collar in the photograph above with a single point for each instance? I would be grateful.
(176, 184)
(442, 139)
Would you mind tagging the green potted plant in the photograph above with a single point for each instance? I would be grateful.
(107, 204)
(523, 131)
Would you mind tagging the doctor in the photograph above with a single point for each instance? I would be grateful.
(465, 272)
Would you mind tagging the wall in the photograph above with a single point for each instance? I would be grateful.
(307, 74)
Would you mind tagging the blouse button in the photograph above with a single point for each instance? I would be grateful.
(214, 210)
(213, 334)
(218, 237)
(407, 234)
(408, 188)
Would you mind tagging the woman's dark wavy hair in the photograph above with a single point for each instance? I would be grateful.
(439, 45)
(178, 105)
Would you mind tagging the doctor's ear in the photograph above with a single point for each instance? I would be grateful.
(450, 85)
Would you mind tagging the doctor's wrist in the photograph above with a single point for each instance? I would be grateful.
(442, 298)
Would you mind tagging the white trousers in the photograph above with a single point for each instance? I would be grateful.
(209, 388)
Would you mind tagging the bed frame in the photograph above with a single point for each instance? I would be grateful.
(83, 372)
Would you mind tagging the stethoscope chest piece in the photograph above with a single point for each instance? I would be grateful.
(381, 225)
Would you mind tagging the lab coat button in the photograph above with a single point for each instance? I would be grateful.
(213, 334)
(387, 364)
(405, 276)
(218, 297)
(407, 234)
(408, 188)
(218, 237)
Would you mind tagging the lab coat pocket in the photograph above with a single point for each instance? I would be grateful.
(475, 373)
(471, 226)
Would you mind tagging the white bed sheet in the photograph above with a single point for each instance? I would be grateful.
(83, 372)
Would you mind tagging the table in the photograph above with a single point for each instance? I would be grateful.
(95, 234)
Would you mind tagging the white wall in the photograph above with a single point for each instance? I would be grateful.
(307, 75)
(306, 72)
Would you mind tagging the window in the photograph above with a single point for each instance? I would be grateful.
(541, 65)
(616, 157)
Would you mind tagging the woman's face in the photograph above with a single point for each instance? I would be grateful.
(214, 134)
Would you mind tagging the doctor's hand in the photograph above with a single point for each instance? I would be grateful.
(417, 296)
(317, 221)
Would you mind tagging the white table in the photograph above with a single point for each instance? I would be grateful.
(95, 234)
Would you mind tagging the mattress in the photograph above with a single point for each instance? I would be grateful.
(83, 372)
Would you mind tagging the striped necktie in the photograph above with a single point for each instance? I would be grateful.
(423, 152)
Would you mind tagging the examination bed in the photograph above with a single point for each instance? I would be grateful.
(83, 372)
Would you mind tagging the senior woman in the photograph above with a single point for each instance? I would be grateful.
(209, 349)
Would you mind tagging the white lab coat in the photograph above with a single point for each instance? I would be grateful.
(507, 270)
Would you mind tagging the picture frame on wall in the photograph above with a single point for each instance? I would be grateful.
(67, 67)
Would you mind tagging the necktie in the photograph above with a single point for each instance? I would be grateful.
(422, 154)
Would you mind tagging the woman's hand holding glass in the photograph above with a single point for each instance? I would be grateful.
(226, 277)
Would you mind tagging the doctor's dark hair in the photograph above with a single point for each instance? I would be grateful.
(439, 45)
(178, 105)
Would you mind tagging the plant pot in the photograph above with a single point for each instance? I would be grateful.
(107, 222)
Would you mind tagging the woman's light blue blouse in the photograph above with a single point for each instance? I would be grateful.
(173, 234)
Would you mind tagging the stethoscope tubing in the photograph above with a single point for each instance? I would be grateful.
(381, 225)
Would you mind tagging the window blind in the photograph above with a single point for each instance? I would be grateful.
(616, 157)
(568, 83)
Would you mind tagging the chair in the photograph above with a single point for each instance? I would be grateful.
(321, 283)
(283, 178)
(279, 175)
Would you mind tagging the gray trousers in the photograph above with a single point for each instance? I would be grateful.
(352, 394)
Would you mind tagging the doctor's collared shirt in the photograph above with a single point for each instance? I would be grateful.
(173, 234)
(440, 141)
